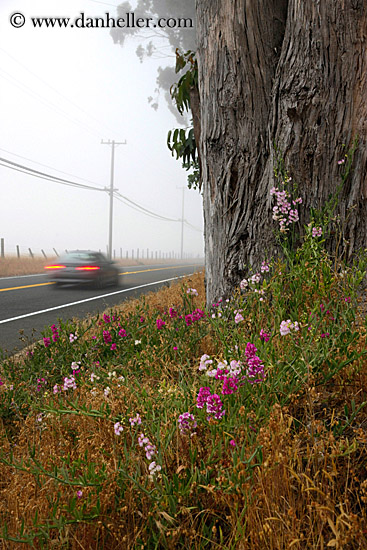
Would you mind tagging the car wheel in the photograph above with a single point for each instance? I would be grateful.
(99, 282)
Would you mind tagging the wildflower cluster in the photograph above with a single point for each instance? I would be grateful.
(285, 211)
(287, 326)
(316, 231)
(55, 333)
(255, 371)
(214, 405)
(196, 315)
(187, 423)
(150, 451)
(135, 420)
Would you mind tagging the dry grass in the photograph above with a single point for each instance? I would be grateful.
(12, 266)
(309, 491)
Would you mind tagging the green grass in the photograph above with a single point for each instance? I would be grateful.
(283, 467)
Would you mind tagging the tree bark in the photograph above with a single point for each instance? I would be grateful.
(286, 72)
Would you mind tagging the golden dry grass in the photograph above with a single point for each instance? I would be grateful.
(12, 266)
(309, 491)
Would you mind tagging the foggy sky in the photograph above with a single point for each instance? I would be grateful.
(61, 92)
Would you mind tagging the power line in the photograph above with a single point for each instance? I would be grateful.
(47, 166)
(54, 89)
(43, 175)
(125, 200)
(27, 90)
(145, 209)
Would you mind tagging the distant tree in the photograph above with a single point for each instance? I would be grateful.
(161, 43)
(288, 73)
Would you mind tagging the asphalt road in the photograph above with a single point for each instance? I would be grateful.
(29, 303)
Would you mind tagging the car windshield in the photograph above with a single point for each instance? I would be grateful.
(78, 257)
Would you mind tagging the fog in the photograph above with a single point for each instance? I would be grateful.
(62, 91)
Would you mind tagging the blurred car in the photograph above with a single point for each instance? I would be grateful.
(83, 266)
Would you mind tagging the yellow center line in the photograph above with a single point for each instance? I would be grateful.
(124, 273)
(153, 269)
(26, 286)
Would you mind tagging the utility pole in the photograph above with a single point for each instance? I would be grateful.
(111, 190)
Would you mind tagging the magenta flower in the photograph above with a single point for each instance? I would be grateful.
(47, 342)
(107, 337)
(255, 372)
(233, 443)
(264, 336)
(202, 397)
(79, 493)
(214, 406)
(160, 323)
(187, 423)
(106, 318)
(113, 347)
(189, 319)
(172, 313)
(55, 334)
(122, 333)
(230, 385)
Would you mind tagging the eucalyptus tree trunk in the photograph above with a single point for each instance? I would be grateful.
(284, 72)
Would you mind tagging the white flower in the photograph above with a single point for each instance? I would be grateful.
(192, 291)
(154, 468)
(118, 428)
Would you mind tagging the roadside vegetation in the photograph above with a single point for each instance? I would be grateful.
(166, 424)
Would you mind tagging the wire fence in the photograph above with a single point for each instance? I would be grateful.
(137, 254)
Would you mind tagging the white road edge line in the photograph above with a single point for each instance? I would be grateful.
(90, 299)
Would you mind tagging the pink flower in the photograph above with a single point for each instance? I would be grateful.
(192, 291)
(79, 493)
(118, 428)
(238, 318)
(172, 313)
(186, 423)
(113, 347)
(287, 326)
(264, 336)
(122, 333)
(316, 231)
(233, 443)
(160, 323)
(47, 342)
(205, 361)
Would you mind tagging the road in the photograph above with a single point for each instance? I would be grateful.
(29, 303)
